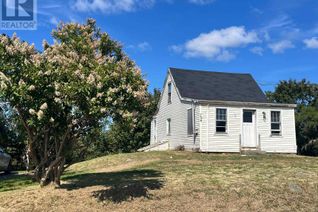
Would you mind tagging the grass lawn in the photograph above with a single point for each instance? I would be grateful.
(14, 181)
(173, 181)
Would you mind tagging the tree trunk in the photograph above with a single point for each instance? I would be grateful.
(51, 166)
(53, 173)
(45, 158)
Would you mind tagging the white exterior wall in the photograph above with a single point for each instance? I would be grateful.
(207, 139)
(177, 112)
(286, 143)
(210, 141)
(152, 133)
(197, 119)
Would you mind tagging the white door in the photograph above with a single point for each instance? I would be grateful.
(249, 129)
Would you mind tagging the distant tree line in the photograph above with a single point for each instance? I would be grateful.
(305, 95)
(119, 136)
(12, 137)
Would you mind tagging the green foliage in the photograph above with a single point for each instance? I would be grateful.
(307, 130)
(120, 135)
(92, 145)
(311, 148)
(126, 137)
(307, 121)
(62, 93)
(305, 95)
(12, 138)
(294, 92)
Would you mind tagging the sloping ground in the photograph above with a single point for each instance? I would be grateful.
(175, 181)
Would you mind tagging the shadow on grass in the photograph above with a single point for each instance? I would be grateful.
(13, 181)
(120, 186)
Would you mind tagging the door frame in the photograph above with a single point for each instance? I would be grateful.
(254, 110)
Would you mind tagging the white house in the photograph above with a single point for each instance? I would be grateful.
(220, 112)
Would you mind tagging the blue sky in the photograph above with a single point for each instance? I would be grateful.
(273, 40)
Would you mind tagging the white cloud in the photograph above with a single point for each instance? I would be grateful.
(257, 11)
(282, 21)
(53, 20)
(281, 26)
(118, 6)
(257, 50)
(176, 48)
(281, 46)
(112, 6)
(225, 56)
(311, 43)
(284, 29)
(201, 2)
(143, 46)
(215, 45)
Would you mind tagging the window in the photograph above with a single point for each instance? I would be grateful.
(221, 120)
(248, 117)
(168, 126)
(275, 123)
(190, 122)
(169, 92)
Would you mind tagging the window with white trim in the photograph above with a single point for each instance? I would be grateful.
(276, 123)
(190, 122)
(169, 93)
(221, 120)
(168, 126)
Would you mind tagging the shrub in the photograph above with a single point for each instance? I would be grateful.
(196, 150)
(180, 148)
(311, 148)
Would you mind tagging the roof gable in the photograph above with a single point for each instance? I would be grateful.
(204, 85)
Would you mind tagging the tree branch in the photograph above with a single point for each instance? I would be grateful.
(63, 141)
(25, 125)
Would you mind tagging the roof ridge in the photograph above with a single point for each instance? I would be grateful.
(205, 71)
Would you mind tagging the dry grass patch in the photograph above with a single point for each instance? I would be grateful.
(178, 181)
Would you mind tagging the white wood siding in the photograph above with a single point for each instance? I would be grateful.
(205, 125)
(286, 143)
(197, 126)
(152, 132)
(177, 112)
(210, 141)
(220, 142)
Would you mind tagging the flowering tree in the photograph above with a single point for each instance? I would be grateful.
(61, 93)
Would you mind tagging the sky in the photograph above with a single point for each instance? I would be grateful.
(272, 40)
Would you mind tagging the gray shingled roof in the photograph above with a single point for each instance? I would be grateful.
(205, 85)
